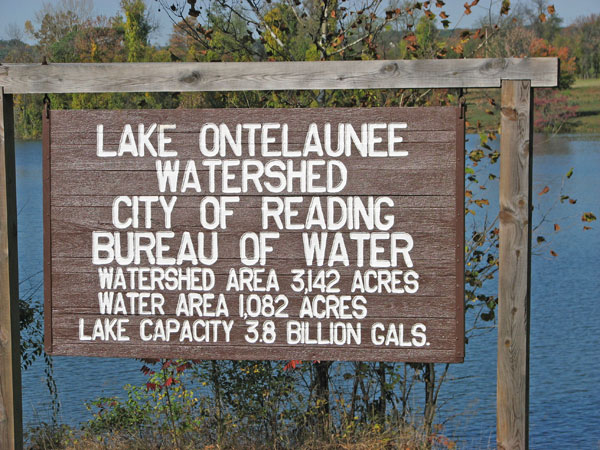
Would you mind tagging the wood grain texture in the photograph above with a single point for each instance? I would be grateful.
(47, 228)
(233, 76)
(11, 436)
(425, 187)
(515, 265)
(264, 353)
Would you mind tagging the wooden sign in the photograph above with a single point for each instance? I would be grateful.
(315, 234)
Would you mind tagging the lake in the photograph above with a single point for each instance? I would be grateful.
(565, 309)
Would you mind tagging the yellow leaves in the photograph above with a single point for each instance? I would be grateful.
(542, 17)
(482, 202)
(338, 40)
(588, 217)
(551, 9)
(556, 227)
(544, 191)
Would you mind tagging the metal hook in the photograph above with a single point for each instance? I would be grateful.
(47, 105)
(462, 103)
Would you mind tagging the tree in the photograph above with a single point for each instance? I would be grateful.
(55, 21)
(586, 33)
(137, 28)
(330, 30)
(542, 18)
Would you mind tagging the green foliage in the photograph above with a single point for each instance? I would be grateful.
(137, 28)
(260, 404)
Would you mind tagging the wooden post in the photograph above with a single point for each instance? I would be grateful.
(515, 265)
(11, 433)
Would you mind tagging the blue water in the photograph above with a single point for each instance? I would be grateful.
(78, 379)
(565, 309)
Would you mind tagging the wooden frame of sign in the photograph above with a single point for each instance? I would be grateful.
(319, 234)
(517, 77)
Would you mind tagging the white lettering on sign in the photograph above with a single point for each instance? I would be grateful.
(262, 233)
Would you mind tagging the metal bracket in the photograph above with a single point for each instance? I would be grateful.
(47, 105)
(462, 103)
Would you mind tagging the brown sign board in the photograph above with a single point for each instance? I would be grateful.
(312, 234)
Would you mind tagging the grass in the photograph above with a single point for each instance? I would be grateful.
(48, 437)
(584, 93)
(483, 110)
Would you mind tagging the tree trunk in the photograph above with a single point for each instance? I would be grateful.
(430, 403)
(322, 398)
(381, 407)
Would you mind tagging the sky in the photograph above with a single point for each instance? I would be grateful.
(10, 14)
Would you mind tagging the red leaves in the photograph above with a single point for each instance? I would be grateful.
(459, 49)
(292, 364)
(544, 191)
(556, 227)
(551, 9)
(146, 370)
(168, 375)
(411, 42)
(542, 17)
(552, 111)
(183, 367)
(553, 253)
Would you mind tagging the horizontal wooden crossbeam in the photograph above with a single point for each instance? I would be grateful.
(237, 76)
